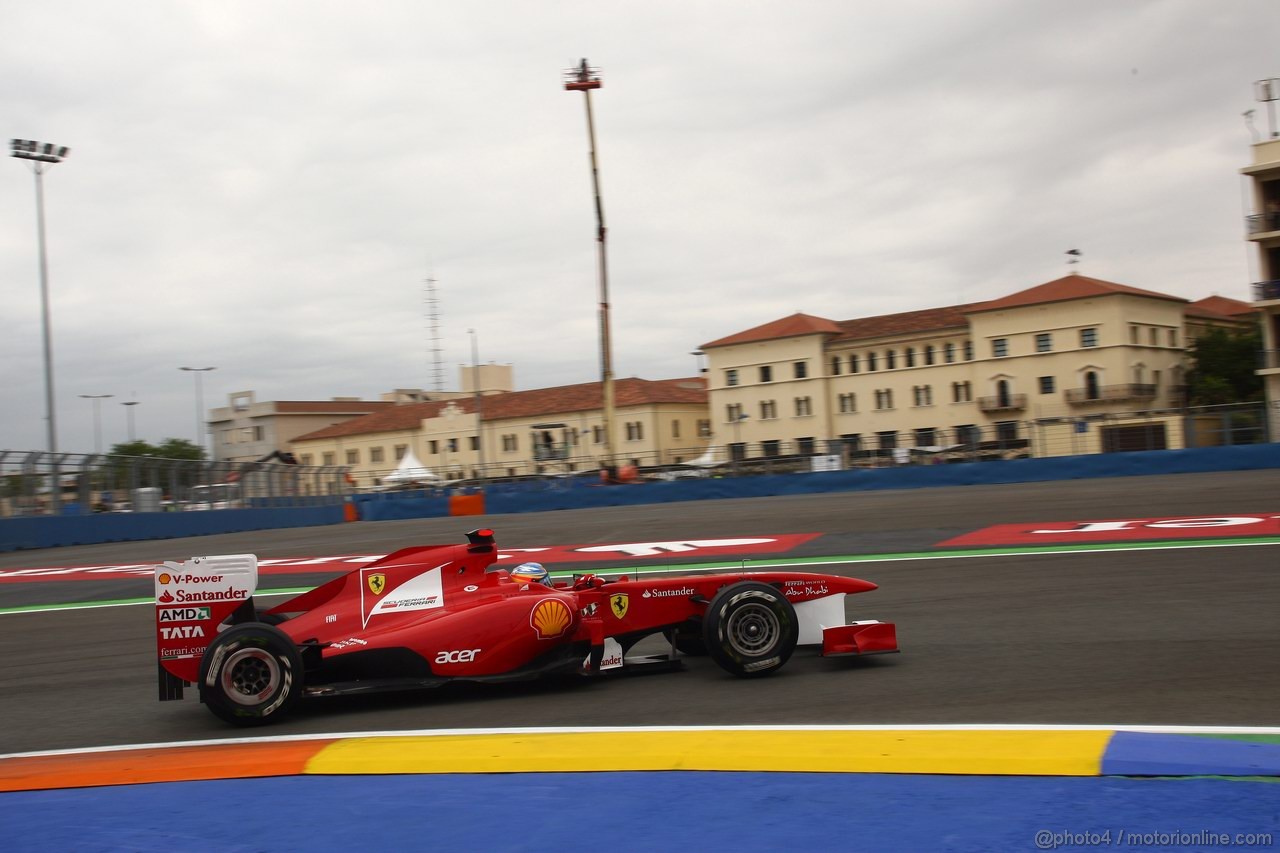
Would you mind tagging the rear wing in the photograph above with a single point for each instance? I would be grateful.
(192, 599)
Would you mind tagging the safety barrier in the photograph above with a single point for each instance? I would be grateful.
(51, 531)
(583, 493)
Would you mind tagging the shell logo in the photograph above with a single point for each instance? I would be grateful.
(164, 577)
(550, 618)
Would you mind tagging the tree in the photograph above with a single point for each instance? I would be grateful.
(170, 448)
(1224, 365)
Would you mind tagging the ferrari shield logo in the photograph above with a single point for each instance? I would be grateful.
(619, 603)
(377, 583)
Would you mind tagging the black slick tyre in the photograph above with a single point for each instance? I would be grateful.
(251, 675)
(750, 629)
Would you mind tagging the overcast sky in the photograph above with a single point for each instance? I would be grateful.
(264, 186)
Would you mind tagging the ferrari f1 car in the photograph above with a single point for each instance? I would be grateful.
(422, 617)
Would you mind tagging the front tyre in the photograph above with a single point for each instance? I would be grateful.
(750, 629)
(251, 674)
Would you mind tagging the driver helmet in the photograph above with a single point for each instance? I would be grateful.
(531, 573)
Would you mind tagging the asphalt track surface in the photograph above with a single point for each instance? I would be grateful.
(1165, 637)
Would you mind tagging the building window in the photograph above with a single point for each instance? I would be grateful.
(635, 431)
(704, 428)
(375, 454)
(768, 410)
(1088, 337)
(1133, 334)
(328, 459)
(597, 435)
(949, 352)
(733, 412)
(1044, 342)
(804, 446)
(1153, 336)
(801, 369)
(305, 459)
(1091, 391)
(890, 360)
(766, 373)
(852, 441)
(910, 355)
(961, 392)
(453, 445)
(731, 377)
(968, 435)
(853, 364)
(1046, 384)
(1007, 430)
(259, 433)
(888, 439)
(771, 447)
(848, 403)
(804, 407)
(433, 447)
(884, 399)
(999, 347)
(675, 429)
(510, 443)
(968, 350)
(922, 395)
(928, 354)
(926, 437)
(1173, 337)
(835, 365)
(401, 450)
(871, 361)
(473, 442)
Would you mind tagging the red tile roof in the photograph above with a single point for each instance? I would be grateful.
(1220, 306)
(788, 327)
(332, 407)
(560, 400)
(1065, 288)
(908, 322)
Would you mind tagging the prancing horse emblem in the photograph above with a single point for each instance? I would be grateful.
(377, 583)
(619, 603)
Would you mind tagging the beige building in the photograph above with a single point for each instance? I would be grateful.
(1263, 231)
(1076, 365)
(546, 430)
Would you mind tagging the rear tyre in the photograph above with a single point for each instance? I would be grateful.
(750, 629)
(251, 675)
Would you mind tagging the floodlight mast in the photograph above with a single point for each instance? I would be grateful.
(583, 79)
(43, 155)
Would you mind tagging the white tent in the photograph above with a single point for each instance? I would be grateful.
(714, 456)
(411, 470)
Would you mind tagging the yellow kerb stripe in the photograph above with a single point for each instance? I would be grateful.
(1049, 753)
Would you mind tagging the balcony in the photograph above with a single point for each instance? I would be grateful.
(1003, 403)
(1264, 290)
(1110, 393)
(549, 452)
(1261, 223)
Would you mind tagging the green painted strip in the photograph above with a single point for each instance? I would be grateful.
(786, 563)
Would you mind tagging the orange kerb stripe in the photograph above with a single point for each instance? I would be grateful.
(174, 764)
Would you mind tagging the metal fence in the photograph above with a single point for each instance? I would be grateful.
(40, 483)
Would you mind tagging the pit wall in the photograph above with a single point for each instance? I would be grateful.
(586, 492)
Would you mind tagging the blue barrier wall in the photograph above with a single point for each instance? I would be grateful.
(583, 492)
(56, 531)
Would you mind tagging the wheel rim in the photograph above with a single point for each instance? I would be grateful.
(753, 630)
(250, 676)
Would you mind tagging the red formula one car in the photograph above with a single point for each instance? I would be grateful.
(422, 617)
